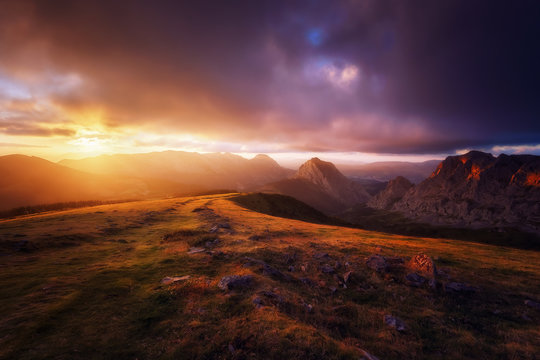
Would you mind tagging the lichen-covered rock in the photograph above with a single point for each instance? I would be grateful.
(377, 263)
(236, 282)
(424, 266)
(395, 323)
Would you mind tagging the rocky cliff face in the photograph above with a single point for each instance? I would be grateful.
(393, 192)
(326, 176)
(477, 189)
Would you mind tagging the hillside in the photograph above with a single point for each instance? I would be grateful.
(321, 185)
(210, 171)
(29, 181)
(204, 278)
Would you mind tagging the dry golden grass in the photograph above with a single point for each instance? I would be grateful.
(87, 285)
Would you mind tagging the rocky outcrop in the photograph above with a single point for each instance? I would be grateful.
(477, 190)
(393, 192)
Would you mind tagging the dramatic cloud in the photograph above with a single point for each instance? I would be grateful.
(368, 76)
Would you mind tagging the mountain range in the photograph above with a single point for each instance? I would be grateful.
(471, 190)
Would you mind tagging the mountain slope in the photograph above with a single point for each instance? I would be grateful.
(27, 181)
(321, 185)
(213, 170)
(393, 192)
(477, 189)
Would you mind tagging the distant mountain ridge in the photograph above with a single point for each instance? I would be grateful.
(475, 190)
(320, 184)
(211, 171)
(384, 171)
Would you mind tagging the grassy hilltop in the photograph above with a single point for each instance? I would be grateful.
(90, 283)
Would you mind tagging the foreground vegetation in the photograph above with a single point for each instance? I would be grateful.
(91, 283)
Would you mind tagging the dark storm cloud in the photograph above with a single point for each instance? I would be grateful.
(378, 76)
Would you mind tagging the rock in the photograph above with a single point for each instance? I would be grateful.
(532, 304)
(347, 276)
(198, 209)
(171, 280)
(267, 269)
(291, 268)
(196, 250)
(308, 307)
(258, 238)
(215, 228)
(377, 263)
(290, 259)
(333, 289)
(424, 265)
(327, 269)
(275, 298)
(395, 323)
(321, 255)
(236, 282)
(258, 302)
(366, 356)
(308, 282)
(456, 287)
(413, 279)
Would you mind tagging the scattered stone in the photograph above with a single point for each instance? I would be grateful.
(258, 302)
(290, 259)
(333, 289)
(212, 243)
(291, 268)
(198, 209)
(196, 250)
(24, 246)
(347, 276)
(377, 263)
(308, 307)
(395, 323)
(327, 269)
(257, 238)
(236, 282)
(321, 255)
(366, 356)
(173, 279)
(231, 348)
(308, 282)
(273, 296)
(456, 287)
(303, 268)
(532, 304)
(413, 279)
(215, 228)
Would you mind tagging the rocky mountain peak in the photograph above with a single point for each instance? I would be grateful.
(328, 178)
(322, 173)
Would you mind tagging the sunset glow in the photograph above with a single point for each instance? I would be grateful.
(281, 82)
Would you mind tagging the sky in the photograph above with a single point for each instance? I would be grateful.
(345, 80)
